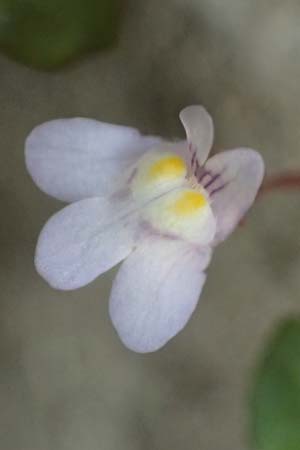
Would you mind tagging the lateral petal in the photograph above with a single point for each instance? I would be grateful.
(241, 173)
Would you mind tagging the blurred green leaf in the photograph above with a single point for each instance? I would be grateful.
(276, 395)
(48, 33)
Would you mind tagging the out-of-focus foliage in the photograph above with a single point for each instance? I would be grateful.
(276, 396)
(47, 33)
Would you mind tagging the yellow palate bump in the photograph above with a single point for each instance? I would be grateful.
(189, 203)
(167, 167)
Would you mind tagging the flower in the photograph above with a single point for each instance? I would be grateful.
(159, 206)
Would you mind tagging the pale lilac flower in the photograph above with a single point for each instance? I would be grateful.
(160, 206)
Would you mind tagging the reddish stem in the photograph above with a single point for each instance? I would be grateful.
(285, 180)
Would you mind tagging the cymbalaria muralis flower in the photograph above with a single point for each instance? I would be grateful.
(160, 206)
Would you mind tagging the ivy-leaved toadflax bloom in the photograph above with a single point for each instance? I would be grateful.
(158, 206)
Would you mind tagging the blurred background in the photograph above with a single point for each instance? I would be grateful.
(66, 381)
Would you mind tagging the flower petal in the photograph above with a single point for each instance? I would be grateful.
(199, 129)
(156, 291)
(233, 192)
(72, 159)
(84, 240)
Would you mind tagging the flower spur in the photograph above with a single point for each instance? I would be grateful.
(158, 206)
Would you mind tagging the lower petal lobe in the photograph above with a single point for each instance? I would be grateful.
(156, 291)
(84, 240)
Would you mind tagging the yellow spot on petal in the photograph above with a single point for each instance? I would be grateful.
(189, 203)
(166, 168)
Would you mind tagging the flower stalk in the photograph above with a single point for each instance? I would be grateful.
(283, 181)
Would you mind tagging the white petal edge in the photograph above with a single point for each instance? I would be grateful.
(156, 291)
(242, 172)
(83, 240)
(199, 129)
(72, 159)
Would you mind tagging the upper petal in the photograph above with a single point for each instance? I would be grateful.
(238, 175)
(199, 129)
(72, 159)
(84, 240)
(156, 291)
